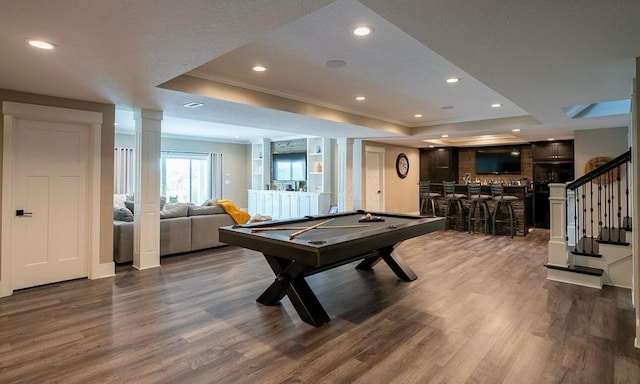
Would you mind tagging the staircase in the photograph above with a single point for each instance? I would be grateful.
(590, 244)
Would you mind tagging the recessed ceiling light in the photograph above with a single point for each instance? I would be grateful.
(432, 146)
(115, 124)
(335, 64)
(193, 104)
(515, 130)
(362, 30)
(417, 115)
(453, 80)
(41, 44)
(447, 107)
(496, 105)
(259, 68)
(361, 98)
(237, 137)
(551, 139)
(444, 136)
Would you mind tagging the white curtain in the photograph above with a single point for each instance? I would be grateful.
(124, 170)
(217, 176)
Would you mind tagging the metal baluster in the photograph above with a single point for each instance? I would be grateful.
(591, 211)
(619, 205)
(576, 225)
(599, 205)
(584, 216)
(626, 169)
(606, 203)
(576, 218)
(612, 219)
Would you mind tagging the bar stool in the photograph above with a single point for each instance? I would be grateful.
(428, 198)
(476, 197)
(497, 190)
(452, 198)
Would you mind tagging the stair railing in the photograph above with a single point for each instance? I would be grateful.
(595, 206)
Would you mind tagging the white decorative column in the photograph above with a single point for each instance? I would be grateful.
(358, 175)
(557, 246)
(146, 253)
(635, 200)
(345, 174)
(571, 219)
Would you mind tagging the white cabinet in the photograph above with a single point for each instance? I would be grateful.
(306, 202)
(287, 204)
(270, 203)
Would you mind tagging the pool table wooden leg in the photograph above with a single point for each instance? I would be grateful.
(398, 265)
(369, 262)
(290, 282)
(394, 261)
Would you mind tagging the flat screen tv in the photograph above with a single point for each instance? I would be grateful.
(290, 166)
(497, 161)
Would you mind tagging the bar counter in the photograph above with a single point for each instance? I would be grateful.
(521, 207)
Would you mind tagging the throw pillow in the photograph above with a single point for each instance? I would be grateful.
(194, 210)
(163, 201)
(118, 200)
(129, 205)
(175, 210)
(122, 214)
(210, 202)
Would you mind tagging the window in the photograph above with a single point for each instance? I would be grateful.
(185, 177)
(289, 166)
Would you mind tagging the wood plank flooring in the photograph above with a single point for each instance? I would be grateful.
(481, 311)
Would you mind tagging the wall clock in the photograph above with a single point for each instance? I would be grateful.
(402, 165)
(597, 162)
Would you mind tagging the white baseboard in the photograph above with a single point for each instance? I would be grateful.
(103, 270)
(144, 268)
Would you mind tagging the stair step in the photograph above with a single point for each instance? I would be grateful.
(588, 254)
(578, 275)
(615, 235)
(623, 243)
(587, 246)
(577, 269)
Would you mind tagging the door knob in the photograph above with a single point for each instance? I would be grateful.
(21, 212)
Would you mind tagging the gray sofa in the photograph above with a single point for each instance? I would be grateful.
(189, 230)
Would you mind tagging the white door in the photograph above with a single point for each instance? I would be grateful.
(50, 184)
(373, 179)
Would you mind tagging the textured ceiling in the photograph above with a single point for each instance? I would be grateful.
(535, 58)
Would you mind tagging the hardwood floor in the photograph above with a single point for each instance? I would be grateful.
(481, 311)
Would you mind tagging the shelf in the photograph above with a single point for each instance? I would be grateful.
(318, 164)
(260, 165)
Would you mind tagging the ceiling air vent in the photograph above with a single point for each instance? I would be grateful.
(193, 104)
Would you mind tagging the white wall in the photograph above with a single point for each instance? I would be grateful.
(590, 143)
(235, 165)
(609, 142)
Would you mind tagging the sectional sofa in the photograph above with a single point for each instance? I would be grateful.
(183, 228)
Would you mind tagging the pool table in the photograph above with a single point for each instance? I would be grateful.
(341, 238)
